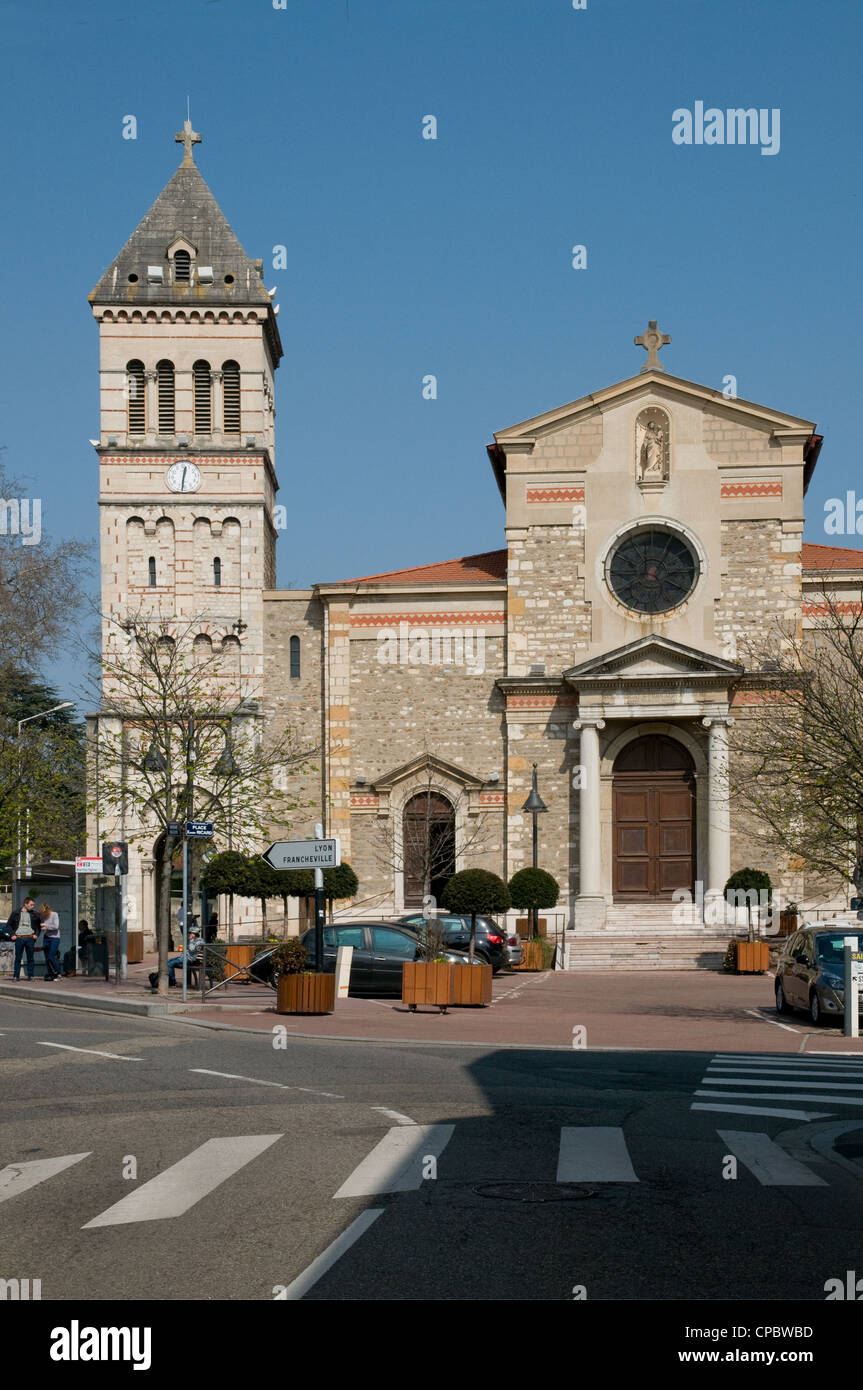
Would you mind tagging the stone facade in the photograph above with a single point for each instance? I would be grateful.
(653, 534)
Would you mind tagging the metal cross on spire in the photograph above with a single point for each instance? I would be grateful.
(651, 341)
(187, 137)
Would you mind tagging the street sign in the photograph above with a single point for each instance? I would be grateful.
(200, 829)
(173, 827)
(115, 857)
(304, 854)
(88, 864)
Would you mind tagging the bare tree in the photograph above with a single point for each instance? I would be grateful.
(799, 745)
(179, 737)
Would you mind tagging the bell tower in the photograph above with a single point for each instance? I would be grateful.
(189, 345)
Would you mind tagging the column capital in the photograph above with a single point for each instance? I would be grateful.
(588, 722)
(711, 721)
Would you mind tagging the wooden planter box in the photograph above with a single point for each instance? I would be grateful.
(429, 982)
(306, 994)
(471, 984)
(788, 923)
(532, 958)
(134, 947)
(237, 958)
(524, 927)
(753, 957)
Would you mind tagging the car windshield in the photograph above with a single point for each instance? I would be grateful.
(830, 949)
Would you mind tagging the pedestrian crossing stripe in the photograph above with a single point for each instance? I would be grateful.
(586, 1154)
(794, 1079)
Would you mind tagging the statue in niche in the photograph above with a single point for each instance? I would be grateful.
(651, 442)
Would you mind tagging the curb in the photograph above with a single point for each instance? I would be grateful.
(141, 1007)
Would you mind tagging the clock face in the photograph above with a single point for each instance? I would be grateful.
(184, 477)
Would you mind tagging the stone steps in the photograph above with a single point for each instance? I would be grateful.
(663, 951)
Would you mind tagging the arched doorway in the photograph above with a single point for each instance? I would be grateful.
(428, 846)
(653, 820)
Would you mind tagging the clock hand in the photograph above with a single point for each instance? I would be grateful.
(183, 480)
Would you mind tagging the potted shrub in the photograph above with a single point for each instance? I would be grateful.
(299, 990)
(429, 980)
(752, 956)
(473, 892)
(535, 890)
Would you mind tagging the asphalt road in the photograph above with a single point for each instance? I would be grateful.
(393, 1171)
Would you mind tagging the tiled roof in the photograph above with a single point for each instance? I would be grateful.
(187, 208)
(831, 557)
(468, 568)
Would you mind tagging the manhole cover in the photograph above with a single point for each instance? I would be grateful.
(535, 1191)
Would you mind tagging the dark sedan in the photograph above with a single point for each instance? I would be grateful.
(380, 951)
(489, 941)
(810, 972)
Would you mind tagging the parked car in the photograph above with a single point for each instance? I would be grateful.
(380, 951)
(490, 942)
(810, 972)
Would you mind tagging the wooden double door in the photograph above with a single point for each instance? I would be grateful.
(653, 820)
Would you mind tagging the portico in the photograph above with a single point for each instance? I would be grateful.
(654, 816)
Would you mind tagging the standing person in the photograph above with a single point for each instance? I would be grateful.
(23, 927)
(50, 941)
(212, 927)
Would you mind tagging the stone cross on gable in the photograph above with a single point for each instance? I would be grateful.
(187, 137)
(651, 341)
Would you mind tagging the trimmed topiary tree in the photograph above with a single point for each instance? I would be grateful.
(749, 881)
(475, 891)
(340, 882)
(533, 890)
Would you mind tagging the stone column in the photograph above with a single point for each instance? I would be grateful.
(590, 903)
(217, 421)
(718, 817)
(151, 421)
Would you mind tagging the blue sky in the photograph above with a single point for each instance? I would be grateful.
(453, 257)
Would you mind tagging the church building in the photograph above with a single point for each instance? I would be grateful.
(649, 528)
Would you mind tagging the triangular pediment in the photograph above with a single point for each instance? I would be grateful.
(648, 383)
(430, 766)
(652, 658)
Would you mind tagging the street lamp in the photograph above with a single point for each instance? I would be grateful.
(534, 806)
(67, 704)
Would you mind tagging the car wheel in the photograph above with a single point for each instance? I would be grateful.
(782, 1005)
(815, 1014)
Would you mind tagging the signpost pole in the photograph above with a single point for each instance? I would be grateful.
(852, 983)
(119, 944)
(319, 909)
(185, 913)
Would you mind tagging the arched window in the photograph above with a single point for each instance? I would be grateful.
(231, 397)
(203, 398)
(217, 573)
(428, 846)
(165, 392)
(182, 267)
(136, 396)
(151, 571)
(295, 657)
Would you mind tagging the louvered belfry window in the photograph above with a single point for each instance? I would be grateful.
(231, 396)
(165, 383)
(182, 267)
(137, 400)
(203, 398)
